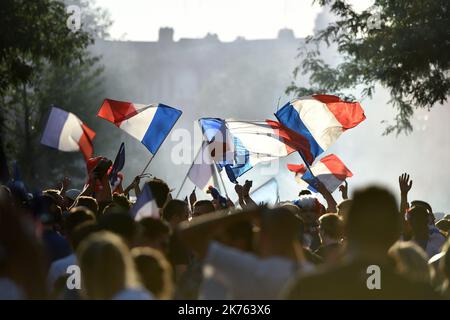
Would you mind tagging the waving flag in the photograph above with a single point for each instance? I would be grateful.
(202, 172)
(65, 132)
(118, 165)
(145, 205)
(237, 146)
(149, 124)
(329, 170)
(321, 119)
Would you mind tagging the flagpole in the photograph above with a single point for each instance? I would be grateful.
(187, 173)
(148, 163)
(221, 179)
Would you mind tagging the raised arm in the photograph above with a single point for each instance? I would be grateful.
(405, 185)
(331, 203)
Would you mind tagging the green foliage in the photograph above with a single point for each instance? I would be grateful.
(59, 70)
(404, 45)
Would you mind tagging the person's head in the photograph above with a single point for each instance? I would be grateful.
(418, 218)
(49, 213)
(82, 231)
(155, 272)
(343, 207)
(121, 201)
(304, 192)
(239, 235)
(411, 261)
(426, 205)
(70, 196)
(160, 190)
(372, 224)
(421, 203)
(297, 212)
(443, 225)
(22, 258)
(106, 266)
(88, 202)
(310, 209)
(175, 211)
(75, 217)
(202, 207)
(279, 231)
(55, 194)
(154, 233)
(330, 227)
(119, 223)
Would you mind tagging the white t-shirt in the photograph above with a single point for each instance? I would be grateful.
(59, 268)
(247, 276)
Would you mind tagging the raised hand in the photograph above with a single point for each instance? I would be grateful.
(343, 188)
(192, 198)
(246, 188)
(239, 190)
(405, 183)
(65, 183)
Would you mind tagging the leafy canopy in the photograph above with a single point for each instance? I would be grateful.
(404, 45)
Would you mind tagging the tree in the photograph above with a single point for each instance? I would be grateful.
(68, 77)
(404, 45)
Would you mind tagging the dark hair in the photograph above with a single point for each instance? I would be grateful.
(47, 209)
(121, 200)
(304, 192)
(77, 216)
(120, 223)
(22, 258)
(331, 225)
(373, 219)
(443, 225)
(173, 208)
(82, 231)
(153, 228)
(281, 223)
(155, 271)
(88, 202)
(243, 231)
(160, 190)
(421, 203)
(207, 204)
(418, 219)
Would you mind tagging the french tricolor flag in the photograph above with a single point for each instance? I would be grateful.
(150, 124)
(329, 170)
(237, 146)
(321, 119)
(145, 205)
(66, 132)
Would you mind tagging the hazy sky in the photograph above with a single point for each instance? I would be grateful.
(140, 20)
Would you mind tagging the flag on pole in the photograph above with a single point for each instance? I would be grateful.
(321, 119)
(145, 206)
(118, 165)
(202, 172)
(66, 132)
(150, 124)
(238, 146)
(329, 170)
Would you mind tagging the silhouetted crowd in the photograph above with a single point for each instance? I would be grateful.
(66, 243)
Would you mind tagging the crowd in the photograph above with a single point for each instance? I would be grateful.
(66, 243)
